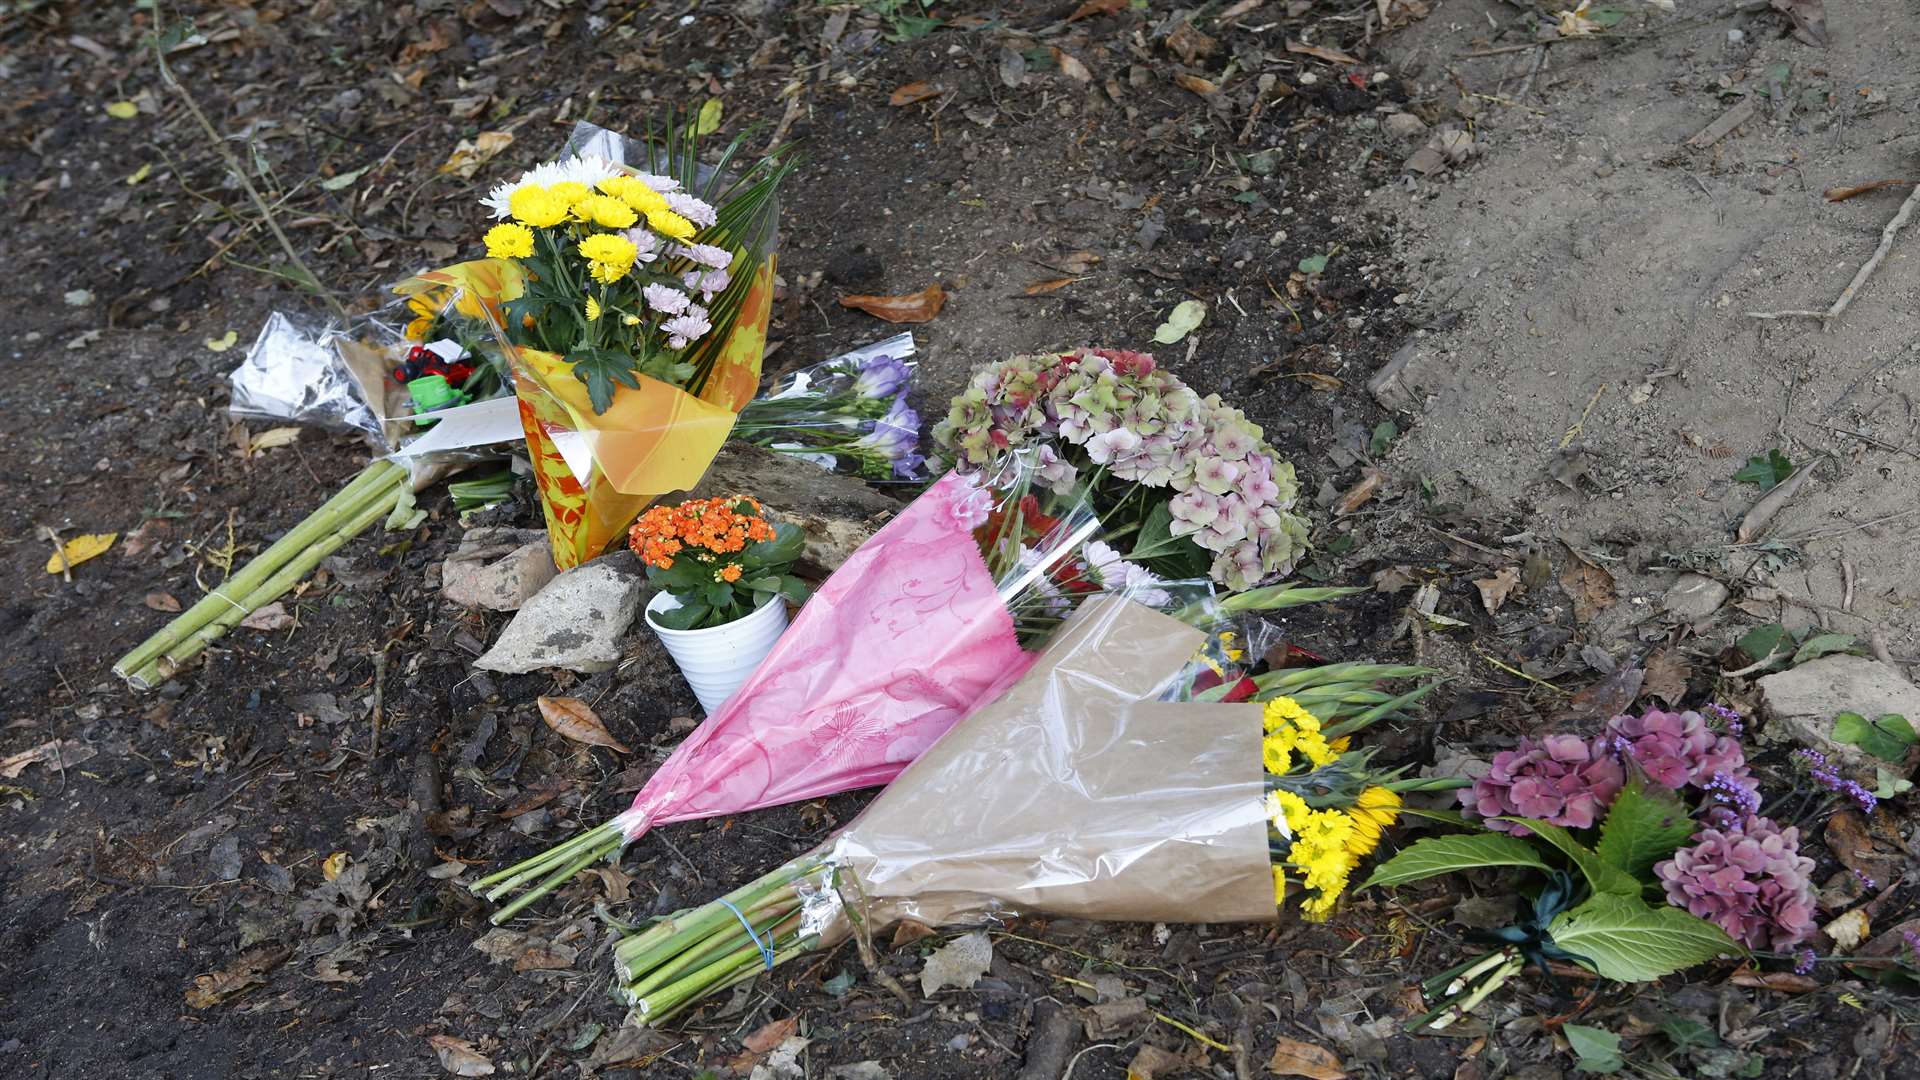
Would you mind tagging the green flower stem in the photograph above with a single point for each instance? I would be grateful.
(497, 884)
(1384, 709)
(378, 480)
(584, 858)
(641, 953)
(255, 594)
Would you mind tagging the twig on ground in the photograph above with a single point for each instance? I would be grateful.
(1852, 290)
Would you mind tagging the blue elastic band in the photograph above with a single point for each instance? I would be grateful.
(766, 950)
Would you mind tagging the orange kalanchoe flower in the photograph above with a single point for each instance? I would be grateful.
(712, 526)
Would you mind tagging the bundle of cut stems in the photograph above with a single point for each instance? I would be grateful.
(271, 575)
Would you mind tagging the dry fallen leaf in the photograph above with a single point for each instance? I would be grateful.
(249, 969)
(1667, 676)
(771, 1035)
(1841, 194)
(1097, 7)
(912, 308)
(1495, 591)
(160, 601)
(272, 438)
(1152, 1063)
(1785, 982)
(458, 1056)
(223, 342)
(1070, 67)
(272, 617)
(1331, 56)
(1041, 288)
(914, 92)
(123, 110)
(1607, 698)
(571, 717)
(331, 866)
(910, 931)
(1849, 930)
(1292, 1058)
(1588, 586)
(80, 549)
(1357, 495)
(469, 154)
(60, 755)
(1203, 87)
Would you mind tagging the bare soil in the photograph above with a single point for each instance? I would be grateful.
(164, 907)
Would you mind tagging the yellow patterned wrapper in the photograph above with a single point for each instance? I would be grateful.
(650, 442)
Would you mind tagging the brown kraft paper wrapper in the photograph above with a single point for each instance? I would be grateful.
(1068, 795)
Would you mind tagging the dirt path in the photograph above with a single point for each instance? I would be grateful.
(164, 911)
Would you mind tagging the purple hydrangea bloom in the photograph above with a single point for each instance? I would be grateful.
(1562, 780)
(1676, 749)
(1752, 882)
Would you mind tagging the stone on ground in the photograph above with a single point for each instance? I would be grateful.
(1799, 704)
(497, 569)
(576, 622)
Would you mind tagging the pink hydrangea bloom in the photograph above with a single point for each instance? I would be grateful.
(1751, 881)
(1562, 780)
(1677, 749)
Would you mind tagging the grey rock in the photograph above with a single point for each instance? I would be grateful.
(1404, 125)
(1799, 704)
(1389, 385)
(839, 513)
(497, 569)
(576, 622)
(1695, 597)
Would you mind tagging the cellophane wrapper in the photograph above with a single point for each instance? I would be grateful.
(814, 412)
(1071, 794)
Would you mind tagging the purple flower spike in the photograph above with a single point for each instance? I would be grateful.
(1753, 883)
(881, 377)
(1562, 780)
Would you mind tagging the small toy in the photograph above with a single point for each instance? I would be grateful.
(431, 393)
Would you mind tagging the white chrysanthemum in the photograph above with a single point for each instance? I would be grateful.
(581, 169)
(661, 184)
(694, 210)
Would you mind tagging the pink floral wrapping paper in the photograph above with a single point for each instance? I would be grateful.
(904, 640)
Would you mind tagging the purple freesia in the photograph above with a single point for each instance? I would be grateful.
(882, 377)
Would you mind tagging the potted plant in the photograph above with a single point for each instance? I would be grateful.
(722, 571)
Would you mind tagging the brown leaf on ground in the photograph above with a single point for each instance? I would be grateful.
(1667, 676)
(1496, 590)
(1588, 586)
(247, 970)
(910, 931)
(1318, 52)
(1097, 7)
(272, 617)
(1841, 194)
(1074, 263)
(1041, 288)
(911, 308)
(1786, 982)
(543, 956)
(55, 754)
(1609, 697)
(469, 155)
(1153, 1063)
(770, 1035)
(1189, 44)
(160, 601)
(1357, 495)
(572, 718)
(459, 1057)
(1203, 87)
(914, 92)
(1071, 67)
(1850, 842)
(1292, 1058)
(1892, 940)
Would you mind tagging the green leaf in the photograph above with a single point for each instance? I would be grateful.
(1820, 645)
(1606, 16)
(1438, 855)
(1764, 641)
(1602, 877)
(1597, 1048)
(1184, 319)
(1765, 471)
(1642, 827)
(1686, 1034)
(775, 554)
(793, 589)
(1450, 817)
(685, 617)
(1314, 264)
(1156, 535)
(1624, 939)
(599, 371)
(1887, 785)
(1886, 737)
(1383, 436)
(345, 179)
(708, 120)
(769, 583)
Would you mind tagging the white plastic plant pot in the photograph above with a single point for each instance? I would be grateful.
(717, 659)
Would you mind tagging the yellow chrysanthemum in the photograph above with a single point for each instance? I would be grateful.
(1365, 836)
(1276, 754)
(629, 320)
(537, 206)
(609, 257)
(605, 211)
(1319, 908)
(572, 191)
(593, 310)
(634, 193)
(1282, 712)
(426, 313)
(1294, 809)
(1279, 886)
(666, 221)
(509, 241)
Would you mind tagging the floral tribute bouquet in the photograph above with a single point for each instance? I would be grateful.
(1185, 483)
(849, 414)
(1073, 793)
(1653, 853)
(632, 303)
(936, 614)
